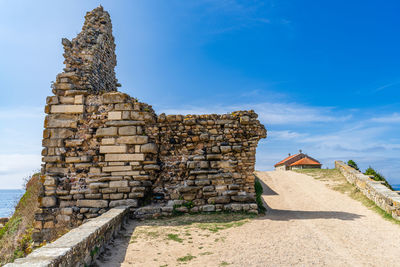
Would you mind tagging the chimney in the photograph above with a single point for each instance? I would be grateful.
(289, 154)
(300, 150)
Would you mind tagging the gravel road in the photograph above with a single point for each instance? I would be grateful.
(306, 224)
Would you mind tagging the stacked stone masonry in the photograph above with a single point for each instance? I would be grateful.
(103, 148)
(383, 197)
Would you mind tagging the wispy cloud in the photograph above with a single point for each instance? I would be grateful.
(21, 112)
(15, 167)
(393, 118)
(286, 135)
(385, 86)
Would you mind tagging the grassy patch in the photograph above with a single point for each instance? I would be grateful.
(16, 235)
(215, 227)
(259, 190)
(186, 258)
(174, 237)
(224, 263)
(339, 183)
(205, 220)
(206, 253)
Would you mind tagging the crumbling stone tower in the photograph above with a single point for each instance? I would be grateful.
(103, 148)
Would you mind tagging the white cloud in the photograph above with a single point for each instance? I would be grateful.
(21, 112)
(393, 118)
(14, 168)
(285, 135)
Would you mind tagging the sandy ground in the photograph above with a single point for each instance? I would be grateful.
(306, 224)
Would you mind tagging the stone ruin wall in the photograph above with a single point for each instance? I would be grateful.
(103, 148)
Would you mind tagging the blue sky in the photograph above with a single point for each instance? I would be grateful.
(322, 75)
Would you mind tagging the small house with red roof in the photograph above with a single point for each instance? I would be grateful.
(298, 161)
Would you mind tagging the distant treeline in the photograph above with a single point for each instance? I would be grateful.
(370, 172)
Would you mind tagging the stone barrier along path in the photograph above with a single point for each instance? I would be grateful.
(80, 246)
(382, 196)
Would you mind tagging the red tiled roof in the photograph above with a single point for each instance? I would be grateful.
(283, 161)
(305, 161)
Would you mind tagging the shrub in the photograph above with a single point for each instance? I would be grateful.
(259, 190)
(353, 164)
(377, 176)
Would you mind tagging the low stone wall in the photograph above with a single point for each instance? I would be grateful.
(80, 246)
(383, 197)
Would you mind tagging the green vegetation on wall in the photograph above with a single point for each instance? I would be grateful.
(259, 190)
(377, 176)
(370, 172)
(353, 164)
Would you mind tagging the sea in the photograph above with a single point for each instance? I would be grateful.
(8, 200)
(395, 187)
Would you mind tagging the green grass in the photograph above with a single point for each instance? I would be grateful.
(341, 185)
(16, 235)
(186, 258)
(259, 190)
(224, 263)
(211, 221)
(206, 253)
(215, 227)
(11, 226)
(174, 237)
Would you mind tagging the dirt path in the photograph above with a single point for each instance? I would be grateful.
(306, 224)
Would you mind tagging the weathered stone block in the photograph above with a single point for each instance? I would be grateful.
(60, 121)
(113, 149)
(134, 140)
(115, 115)
(126, 173)
(124, 202)
(61, 218)
(127, 130)
(226, 149)
(91, 203)
(208, 208)
(149, 148)
(73, 109)
(123, 106)
(151, 167)
(118, 183)
(111, 131)
(51, 159)
(78, 99)
(60, 133)
(108, 141)
(202, 182)
(214, 156)
(117, 196)
(73, 142)
(136, 194)
(114, 97)
(66, 100)
(219, 200)
(117, 168)
(97, 185)
(124, 157)
(48, 202)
